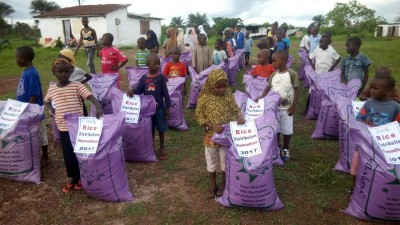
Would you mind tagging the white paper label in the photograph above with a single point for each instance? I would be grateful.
(11, 113)
(357, 105)
(245, 138)
(388, 139)
(254, 109)
(88, 136)
(132, 108)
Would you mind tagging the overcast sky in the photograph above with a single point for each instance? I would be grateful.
(295, 12)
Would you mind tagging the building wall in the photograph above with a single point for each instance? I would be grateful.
(386, 29)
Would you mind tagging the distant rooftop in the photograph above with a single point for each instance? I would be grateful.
(84, 10)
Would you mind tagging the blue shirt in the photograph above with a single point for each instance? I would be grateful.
(248, 43)
(314, 42)
(287, 40)
(281, 45)
(379, 113)
(29, 85)
(354, 67)
(156, 86)
(240, 40)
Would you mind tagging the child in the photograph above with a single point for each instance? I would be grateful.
(141, 53)
(219, 54)
(229, 43)
(267, 43)
(202, 55)
(304, 44)
(377, 111)
(263, 69)
(175, 68)
(112, 59)
(286, 39)
(285, 82)
(280, 43)
(216, 107)
(314, 38)
(239, 38)
(89, 40)
(154, 84)
(248, 43)
(323, 57)
(29, 90)
(67, 97)
(356, 65)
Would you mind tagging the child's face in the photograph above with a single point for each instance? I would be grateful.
(202, 40)
(379, 89)
(314, 31)
(21, 62)
(350, 47)
(153, 64)
(105, 41)
(324, 43)
(63, 71)
(141, 43)
(218, 46)
(220, 87)
(247, 34)
(176, 55)
(278, 62)
(262, 58)
(279, 34)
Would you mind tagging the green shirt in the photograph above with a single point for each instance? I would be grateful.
(140, 56)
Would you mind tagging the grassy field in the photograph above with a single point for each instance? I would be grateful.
(175, 191)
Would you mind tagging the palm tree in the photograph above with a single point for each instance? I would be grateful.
(42, 6)
(5, 9)
(197, 19)
(320, 20)
(177, 22)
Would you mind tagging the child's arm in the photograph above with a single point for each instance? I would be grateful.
(265, 93)
(120, 65)
(99, 110)
(292, 107)
(365, 79)
(311, 61)
(87, 78)
(79, 44)
(334, 65)
(137, 63)
(33, 99)
(342, 74)
(138, 90)
(50, 107)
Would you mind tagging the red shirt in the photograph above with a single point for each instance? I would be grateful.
(263, 70)
(111, 56)
(173, 69)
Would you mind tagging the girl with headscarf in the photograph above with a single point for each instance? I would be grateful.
(180, 39)
(152, 42)
(202, 31)
(216, 106)
(190, 39)
(171, 41)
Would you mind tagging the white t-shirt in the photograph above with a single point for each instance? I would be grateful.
(324, 59)
(304, 42)
(281, 83)
(219, 56)
(77, 75)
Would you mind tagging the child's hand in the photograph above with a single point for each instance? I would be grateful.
(167, 113)
(254, 76)
(99, 113)
(130, 93)
(291, 110)
(241, 120)
(217, 128)
(114, 68)
(52, 110)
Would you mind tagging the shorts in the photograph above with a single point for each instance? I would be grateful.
(247, 53)
(285, 122)
(215, 158)
(159, 120)
(43, 134)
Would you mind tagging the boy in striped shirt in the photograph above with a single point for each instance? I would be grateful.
(141, 53)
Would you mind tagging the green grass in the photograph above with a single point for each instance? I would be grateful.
(310, 190)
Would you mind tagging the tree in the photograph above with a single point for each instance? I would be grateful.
(5, 9)
(319, 20)
(220, 23)
(353, 16)
(194, 20)
(177, 22)
(42, 6)
(397, 19)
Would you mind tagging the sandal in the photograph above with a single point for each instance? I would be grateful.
(213, 193)
(163, 157)
(78, 186)
(68, 187)
(219, 193)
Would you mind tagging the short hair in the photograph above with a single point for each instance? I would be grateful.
(327, 35)
(390, 82)
(176, 49)
(226, 32)
(27, 52)
(270, 42)
(264, 51)
(383, 70)
(355, 41)
(141, 39)
(219, 42)
(109, 36)
(201, 35)
(152, 56)
(85, 18)
(275, 23)
(283, 54)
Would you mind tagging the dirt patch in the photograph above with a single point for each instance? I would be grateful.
(8, 84)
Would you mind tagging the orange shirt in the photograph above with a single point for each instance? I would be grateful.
(172, 70)
(263, 70)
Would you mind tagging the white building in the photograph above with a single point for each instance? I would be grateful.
(109, 18)
(388, 30)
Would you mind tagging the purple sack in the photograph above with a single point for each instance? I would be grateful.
(137, 139)
(163, 61)
(250, 181)
(347, 145)
(176, 120)
(289, 61)
(186, 58)
(376, 192)
(233, 70)
(328, 120)
(134, 75)
(318, 85)
(100, 85)
(20, 146)
(271, 102)
(198, 81)
(240, 53)
(56, 132)
(254, 86)
(103, 174)
(304, 59)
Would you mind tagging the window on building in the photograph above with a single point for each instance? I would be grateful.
(144, 26)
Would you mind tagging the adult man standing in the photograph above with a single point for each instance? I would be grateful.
(89, 40)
